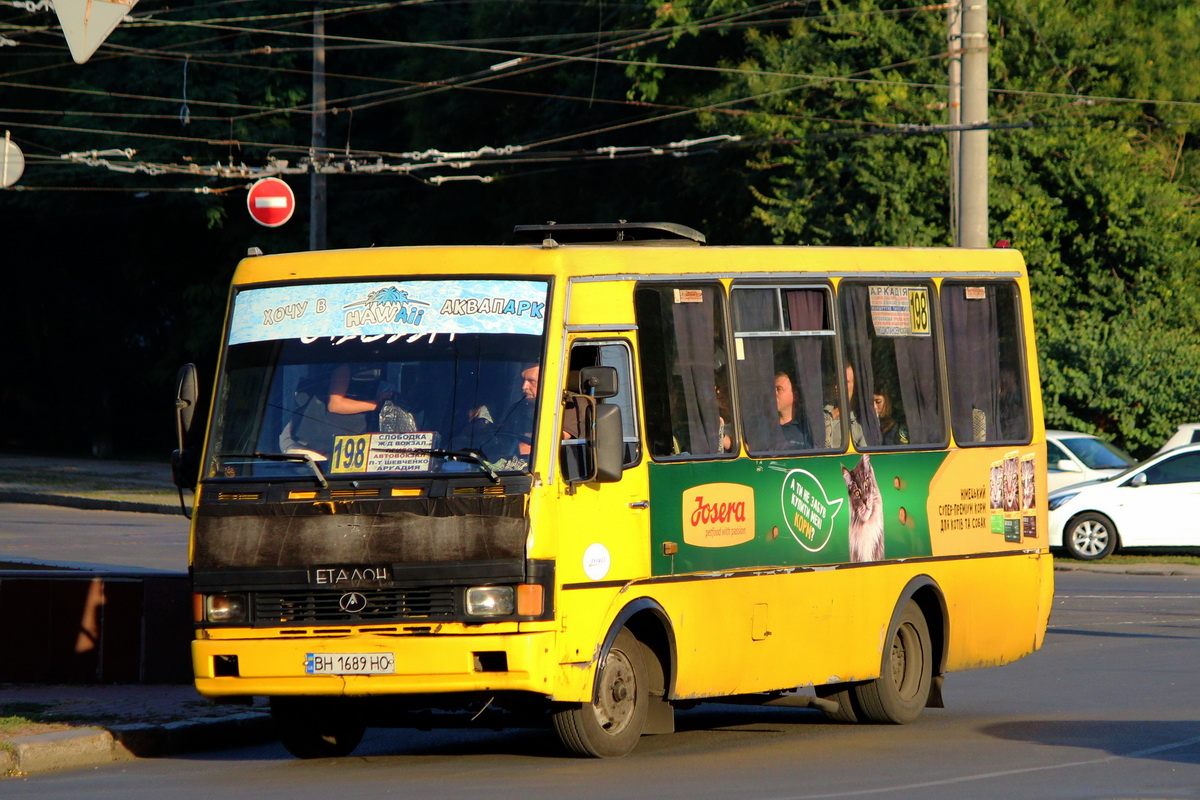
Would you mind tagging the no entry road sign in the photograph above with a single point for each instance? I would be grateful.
(271, 202)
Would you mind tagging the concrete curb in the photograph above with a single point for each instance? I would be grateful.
(1148, 568)
(86, 503)
(92, 747)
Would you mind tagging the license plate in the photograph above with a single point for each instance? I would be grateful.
(350, 663)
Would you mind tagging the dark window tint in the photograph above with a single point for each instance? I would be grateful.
(1180, 469)
(685, 369)
(988, 398)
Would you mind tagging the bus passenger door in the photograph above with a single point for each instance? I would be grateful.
(605, 526)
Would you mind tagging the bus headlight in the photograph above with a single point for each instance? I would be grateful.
(490, 601)
(225, 607)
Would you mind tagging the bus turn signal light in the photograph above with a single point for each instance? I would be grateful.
(530, 600)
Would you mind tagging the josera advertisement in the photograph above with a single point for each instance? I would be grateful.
(849, 508)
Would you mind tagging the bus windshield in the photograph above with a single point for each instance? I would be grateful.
(397, 378)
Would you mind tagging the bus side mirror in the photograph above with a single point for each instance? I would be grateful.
(185, 461)
(599, 454)
(607, 445)
(597, 382)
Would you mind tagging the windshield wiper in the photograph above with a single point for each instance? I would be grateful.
(298, 457)
(464, 456)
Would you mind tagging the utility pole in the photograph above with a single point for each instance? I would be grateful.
(954, 104)
(317, 196)
(973, 150)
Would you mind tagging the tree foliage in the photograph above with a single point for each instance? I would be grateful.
(1096, 193)
(828, 98)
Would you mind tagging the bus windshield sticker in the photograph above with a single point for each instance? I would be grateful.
(391, 309)
(382, 452)
(807, 510)
(900, 311)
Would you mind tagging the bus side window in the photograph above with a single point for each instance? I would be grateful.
(785, 359)
(685, 376)
(889, 333)
(984, 358)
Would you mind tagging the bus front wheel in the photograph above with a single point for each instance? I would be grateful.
(898, 695)
(611, 726)
(309, 728)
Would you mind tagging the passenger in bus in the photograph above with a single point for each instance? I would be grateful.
(891, 430)
(724, 416)
(353, 402)
(833, 416)
(791, 425)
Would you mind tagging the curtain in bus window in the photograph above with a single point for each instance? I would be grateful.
(756, 310)
(697, 368)
(806, 312)
(683, 364)
(856, 332)
(921, 393)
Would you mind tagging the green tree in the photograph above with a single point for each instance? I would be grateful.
(1093, 192)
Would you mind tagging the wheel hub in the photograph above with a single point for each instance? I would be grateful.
(615, 706)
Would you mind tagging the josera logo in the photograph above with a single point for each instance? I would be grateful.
(718, 514)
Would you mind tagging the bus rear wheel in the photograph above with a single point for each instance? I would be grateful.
(898, 695)
(309, 728)
(611, 726)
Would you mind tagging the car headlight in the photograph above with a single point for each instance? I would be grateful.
(1058, 499)
(490, 601)
(225, 607)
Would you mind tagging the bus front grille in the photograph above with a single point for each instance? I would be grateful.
(354, 606)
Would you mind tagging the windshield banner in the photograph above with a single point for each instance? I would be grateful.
(391, 309)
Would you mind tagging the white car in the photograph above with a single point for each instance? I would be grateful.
(1078, 457)
(1188, 433)
(1153, 504)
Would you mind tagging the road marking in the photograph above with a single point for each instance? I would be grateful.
(1125, 597)
(983, 776)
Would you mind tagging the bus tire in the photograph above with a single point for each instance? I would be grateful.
(1090, 537)
(315, 729)
(902, 690)
(612, 725)
(843, 695)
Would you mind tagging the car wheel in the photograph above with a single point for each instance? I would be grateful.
(1090, 537)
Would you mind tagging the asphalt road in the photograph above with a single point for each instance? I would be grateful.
(1107, 709)
(71, 537)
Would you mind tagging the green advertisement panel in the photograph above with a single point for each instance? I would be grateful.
(790, 512)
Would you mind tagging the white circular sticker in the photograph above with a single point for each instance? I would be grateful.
(596, 561)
